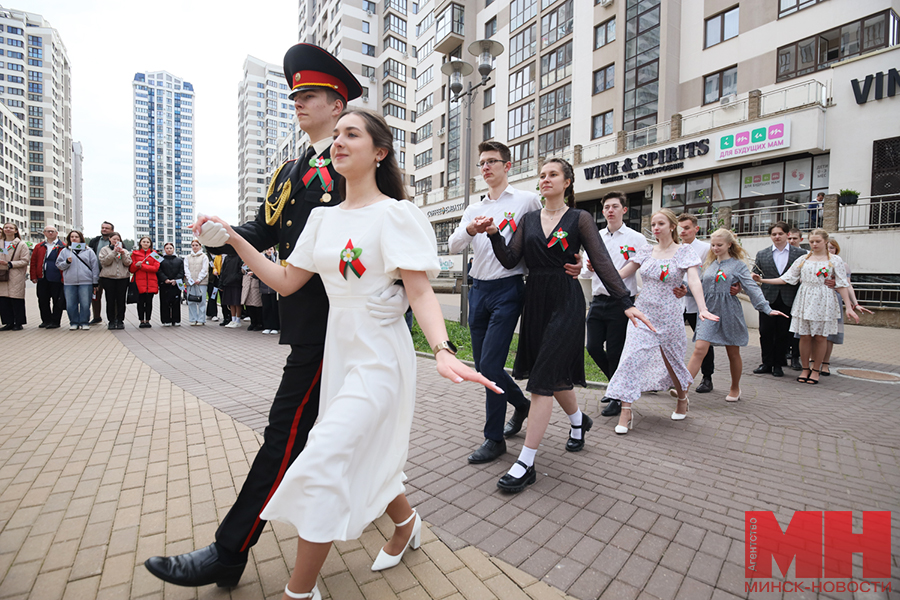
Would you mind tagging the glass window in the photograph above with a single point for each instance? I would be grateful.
(557, 24)
(490, 28)
(555, 106)
(605, 33)
(522, 152)
(523, 45)
(602, 125)
(726, 186)
(699, 191)
(521, 11)
(488, 130)
(673, 193)
(521, 83)
(521, 120)
(554, 141)
(719, 84)
(488, 97)
(556, 65)
(604, 78)
(721, 27)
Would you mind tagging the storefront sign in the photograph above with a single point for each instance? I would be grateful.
(862, 92)
(445, 210)
(753, 139)
(762, 181)
(648, 163)
(451, 262)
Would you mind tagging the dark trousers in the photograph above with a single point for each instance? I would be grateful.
(255, 314)
(774, 335)
(709, 361)
(169, 306)
(12, 311)
(116, 292)
(212, 304)
(606, 325)
(494, 309)
(51, 292)
(145, 306)
(291, 417)
(96, 304)
(270, 312)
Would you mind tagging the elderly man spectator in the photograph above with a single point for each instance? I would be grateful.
(43, 272)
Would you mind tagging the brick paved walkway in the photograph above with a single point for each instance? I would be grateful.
(134, 443)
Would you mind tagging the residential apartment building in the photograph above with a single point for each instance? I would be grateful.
(14, 203)
(264, 119)
(163, 159)
(35, 84)
(725, 109)
(77, 186)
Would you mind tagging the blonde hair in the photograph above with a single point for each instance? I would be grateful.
(735, 250)
(673, 221)
(821, 233)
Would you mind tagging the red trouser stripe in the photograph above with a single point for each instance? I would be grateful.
(285, 460)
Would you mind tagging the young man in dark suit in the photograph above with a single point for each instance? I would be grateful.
(320, 87)
(774, 332)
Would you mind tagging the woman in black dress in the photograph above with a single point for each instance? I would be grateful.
(551, 340)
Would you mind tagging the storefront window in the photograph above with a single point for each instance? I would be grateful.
(673, 195)
(726, 185)
(698, 191)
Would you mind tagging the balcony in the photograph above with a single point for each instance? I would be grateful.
(449, 29)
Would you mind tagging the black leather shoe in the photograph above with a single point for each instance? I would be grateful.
(763, 368)
(705, 386)
(573, 445)
(16, 328)
(795, 365)
(6, 327)
(53, 326)
(514, 485)
(96, 321)
(200, 567)
(120, 324)
(777, 371)
(612, 409)
(604, 400)
(514, 425)
(111, 325)
(42, 325)
(489, 450)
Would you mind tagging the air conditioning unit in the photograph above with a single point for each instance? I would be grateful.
(726, 100)
(406, 55)
(442, 131)
(373, 79)
(369, 13)
(605, 2)
(365, 98)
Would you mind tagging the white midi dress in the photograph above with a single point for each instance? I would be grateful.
(816, 309)
(352, 466)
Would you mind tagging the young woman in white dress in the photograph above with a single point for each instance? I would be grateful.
(351, 469)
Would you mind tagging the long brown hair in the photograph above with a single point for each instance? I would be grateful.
(388, 176)
(18, 235)
(568, 173)
(673, 221)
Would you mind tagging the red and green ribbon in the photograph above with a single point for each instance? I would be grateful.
(721, 276)
(664, 272)
(824, 272)
(508, 221)
(318, 170)
(559, 237)
(624, 250)
(350, 258)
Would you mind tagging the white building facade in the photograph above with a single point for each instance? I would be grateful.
(77, 186)
(36, 87)
(14, 203)
(163, 143)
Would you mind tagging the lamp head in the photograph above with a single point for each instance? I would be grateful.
(486, 51)
(456, 70)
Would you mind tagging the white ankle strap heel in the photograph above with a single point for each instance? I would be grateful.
(385, 560)
(313, 595)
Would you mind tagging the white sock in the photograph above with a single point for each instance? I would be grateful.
(527, 457)
(575, 420)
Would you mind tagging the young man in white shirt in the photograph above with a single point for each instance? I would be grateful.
(606, 323)
(496, 295)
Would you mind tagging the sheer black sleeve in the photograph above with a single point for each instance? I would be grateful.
(600, 260)
(509, 256)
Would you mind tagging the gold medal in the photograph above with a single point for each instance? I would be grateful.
(326, 197)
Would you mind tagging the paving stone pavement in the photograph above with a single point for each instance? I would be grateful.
(137, 442)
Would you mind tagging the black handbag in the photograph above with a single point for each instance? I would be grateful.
(194, 298)
(132, 296)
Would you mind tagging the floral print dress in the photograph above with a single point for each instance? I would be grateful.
(641, 368)
(816, 308)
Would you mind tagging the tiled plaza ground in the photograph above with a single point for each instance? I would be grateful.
(117, 446)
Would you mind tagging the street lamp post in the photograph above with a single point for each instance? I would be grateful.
(486, 51)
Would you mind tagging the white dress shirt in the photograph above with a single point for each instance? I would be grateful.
(702, 250)
(511, 203)
(781, 257)
(617, 242)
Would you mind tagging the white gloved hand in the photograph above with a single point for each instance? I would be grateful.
(213, 234)
(390, 306)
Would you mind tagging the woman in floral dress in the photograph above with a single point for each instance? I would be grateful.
(640, 370)
(816, 309)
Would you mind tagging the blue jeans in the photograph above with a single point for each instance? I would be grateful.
(197, 310)
(78, 303)
(494, 309)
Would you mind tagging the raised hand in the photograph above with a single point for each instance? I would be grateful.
(212, 231)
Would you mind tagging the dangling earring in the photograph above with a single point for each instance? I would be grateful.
(377, 164)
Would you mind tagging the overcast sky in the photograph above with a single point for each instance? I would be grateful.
(204, 42)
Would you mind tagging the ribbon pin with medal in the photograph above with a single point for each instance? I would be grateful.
(319, 169)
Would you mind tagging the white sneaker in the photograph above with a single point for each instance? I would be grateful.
(176, 324)
(73, 327)
(214, 319)
(233, 325)
(274, 332)
(85, 327)
(246, 319)
(167, 324)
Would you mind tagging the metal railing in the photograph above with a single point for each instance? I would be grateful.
(523, 169)
(661, 132)
(885, 295)
(718, 116)
(871, 212)
(794, 96)
(602, 149)
(756, 221)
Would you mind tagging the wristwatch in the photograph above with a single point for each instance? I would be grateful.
(448, 346)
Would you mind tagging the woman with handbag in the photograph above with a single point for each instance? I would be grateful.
(114, 275)
(14, 262)
(145, 268)
(196, 276)
(81, 273)
(171, 272)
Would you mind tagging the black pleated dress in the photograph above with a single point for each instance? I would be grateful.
(551, 337)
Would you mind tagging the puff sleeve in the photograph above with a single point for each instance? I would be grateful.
(408, 242)
(686, 257)
(302, 254)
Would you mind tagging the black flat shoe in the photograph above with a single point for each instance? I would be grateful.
(604, 400)
(777, 371)
(489, 450)
(573, 445)
(514, 425)
(16, 328)
(111, 325)
(6, 328)
(96, 321)
(42, 326)
(762, 369)
(200, 567)
(705, 386)
(52, 326)
(514, 485)
(795, 365)
(612, 409)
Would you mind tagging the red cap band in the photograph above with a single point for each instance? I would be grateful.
(303, 79)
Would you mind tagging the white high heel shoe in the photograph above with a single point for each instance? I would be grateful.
(386, 561)
(733, 398)
(313, 595)
(678, 417)
(623, 429)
